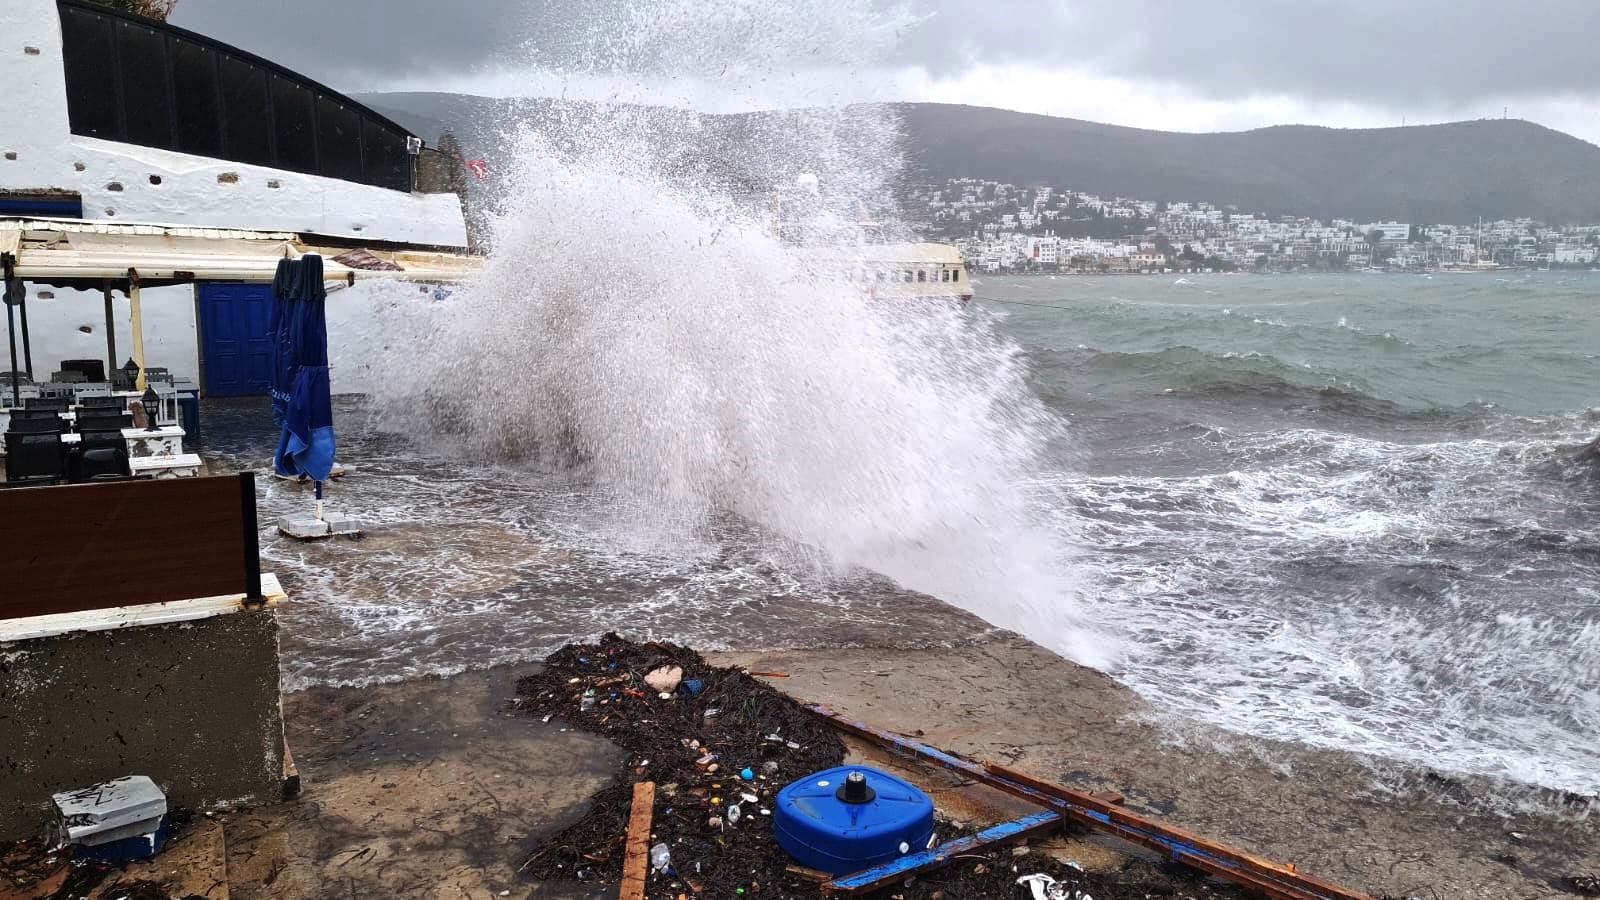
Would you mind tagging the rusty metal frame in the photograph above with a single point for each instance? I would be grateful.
(1278, 882)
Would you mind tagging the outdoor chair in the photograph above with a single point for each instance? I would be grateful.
(91, 369)
(22, 378)
(102, 463)
(47, 414)
(59, 404)
(68, 376)
(104, 420)
(35, 458)
(106, 402)
(101, 454)
(40, 425)
(157, 373)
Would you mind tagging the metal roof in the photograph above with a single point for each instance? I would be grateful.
(65, 251)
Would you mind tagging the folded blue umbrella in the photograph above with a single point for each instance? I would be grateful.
(307, 445)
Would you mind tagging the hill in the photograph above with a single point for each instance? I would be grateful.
(1453, 172)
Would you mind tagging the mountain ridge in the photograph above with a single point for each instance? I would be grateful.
(1448, 172)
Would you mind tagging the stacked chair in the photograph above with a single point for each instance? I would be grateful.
(36, 453)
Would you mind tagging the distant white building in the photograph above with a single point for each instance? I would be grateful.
(1393, 232)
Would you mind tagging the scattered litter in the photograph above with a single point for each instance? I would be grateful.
(747, 774)
(676, 742)
(1046, 888)
(1585, 885)
(116, 821)
(660, 857)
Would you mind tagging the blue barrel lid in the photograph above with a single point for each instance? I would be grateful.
(815, 824)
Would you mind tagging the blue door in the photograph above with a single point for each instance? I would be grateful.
(236, 347)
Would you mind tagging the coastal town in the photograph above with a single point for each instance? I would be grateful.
(1007, 228)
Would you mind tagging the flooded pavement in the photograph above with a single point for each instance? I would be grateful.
(467, 565)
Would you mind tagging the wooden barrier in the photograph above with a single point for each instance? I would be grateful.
(85, 547)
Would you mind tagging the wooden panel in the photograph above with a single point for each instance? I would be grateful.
(100, 546)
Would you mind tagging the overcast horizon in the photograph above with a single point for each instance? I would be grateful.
(1139, 63)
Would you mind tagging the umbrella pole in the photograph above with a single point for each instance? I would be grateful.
(319, 501)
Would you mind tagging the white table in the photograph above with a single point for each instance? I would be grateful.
(166, 440)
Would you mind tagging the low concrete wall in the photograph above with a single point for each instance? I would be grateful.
(193, 705)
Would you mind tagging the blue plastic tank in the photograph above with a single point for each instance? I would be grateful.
(851, 818)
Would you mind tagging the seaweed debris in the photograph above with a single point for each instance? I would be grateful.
(719, 739)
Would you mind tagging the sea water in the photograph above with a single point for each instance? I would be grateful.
(1346, 511)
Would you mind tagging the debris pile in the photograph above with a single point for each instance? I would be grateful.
(719, 745)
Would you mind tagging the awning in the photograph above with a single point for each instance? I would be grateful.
(79, 253)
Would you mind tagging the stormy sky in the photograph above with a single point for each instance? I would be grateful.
(1148, 63)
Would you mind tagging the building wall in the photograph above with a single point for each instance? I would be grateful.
(194, 706)
(115, 180)
(57, 323)
(360, 318)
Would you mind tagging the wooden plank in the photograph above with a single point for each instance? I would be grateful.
(895, 871)
(99, 546)
(133, 616)
(1277, 882)
(636, 862)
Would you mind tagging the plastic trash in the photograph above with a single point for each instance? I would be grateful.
(665, 678)
(693, 686)
(660, 857)
(734, 813)
(747, 775)
(1044, 887)
(587, 703)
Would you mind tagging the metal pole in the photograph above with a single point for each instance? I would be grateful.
(27, 346)
(111, 331)
(138, 328)
(11, 334)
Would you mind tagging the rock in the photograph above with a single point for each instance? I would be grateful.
(664, 679)
(1585, 885)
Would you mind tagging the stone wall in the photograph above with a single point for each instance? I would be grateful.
(193, 705)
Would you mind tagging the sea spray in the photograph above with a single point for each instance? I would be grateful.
(640, 321)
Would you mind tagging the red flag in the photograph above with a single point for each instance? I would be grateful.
(479, 168)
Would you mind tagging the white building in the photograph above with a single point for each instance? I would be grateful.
(1393, 232)
(122, 119)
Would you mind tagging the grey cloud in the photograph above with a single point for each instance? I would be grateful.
(1435, 52)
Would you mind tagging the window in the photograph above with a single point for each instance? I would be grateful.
(149, 83)
(944, 274)
(922, 274)
(339, 139)
(194, 95)
(294, 126)
(93, 107)
(142, 63)
(905, 274)
(388, 160)
(247, 112)
(956, 275)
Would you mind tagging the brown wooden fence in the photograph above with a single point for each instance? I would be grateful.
(99, 546)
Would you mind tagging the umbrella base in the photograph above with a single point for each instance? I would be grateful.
(310, 528)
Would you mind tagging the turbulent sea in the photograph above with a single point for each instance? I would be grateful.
(1349, 511)
(1352, 511)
